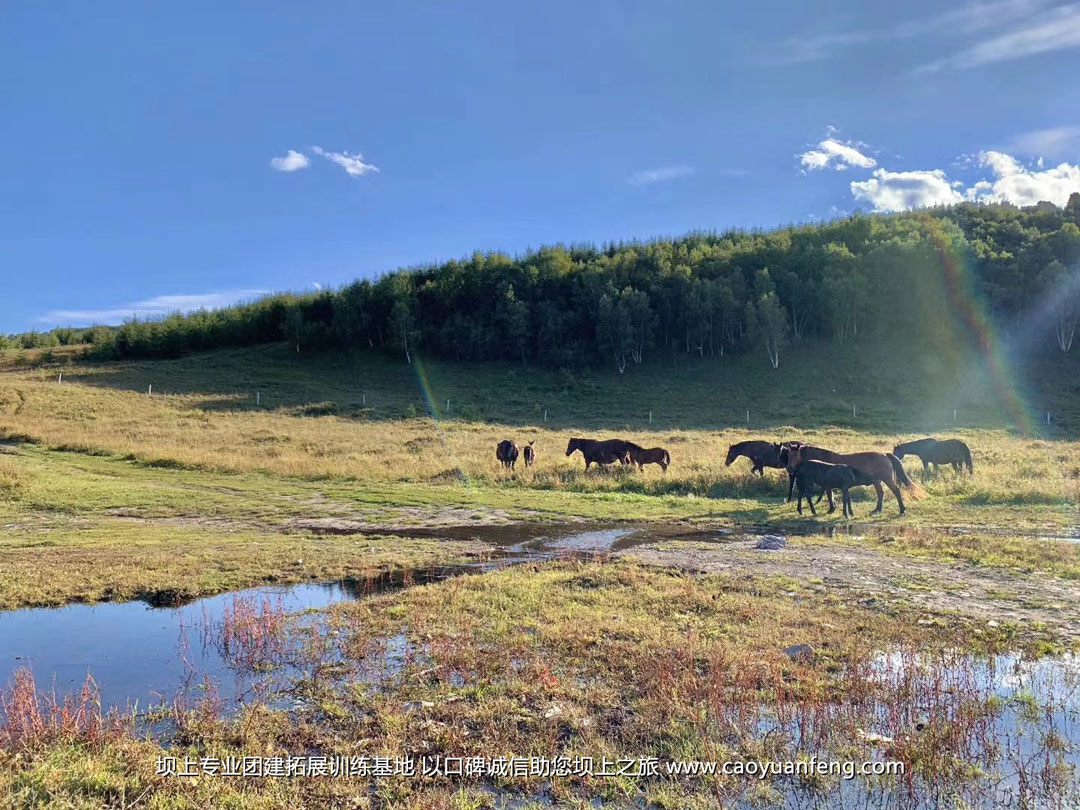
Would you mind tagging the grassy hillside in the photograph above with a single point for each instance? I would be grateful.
(363, 419)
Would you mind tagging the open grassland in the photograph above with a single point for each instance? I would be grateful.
(348, 468)
(314, 425)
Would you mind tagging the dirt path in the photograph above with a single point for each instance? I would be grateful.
(880, 578)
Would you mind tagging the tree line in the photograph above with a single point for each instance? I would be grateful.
(910, 276)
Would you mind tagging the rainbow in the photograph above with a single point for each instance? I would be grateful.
(967, 305)
(437, 416)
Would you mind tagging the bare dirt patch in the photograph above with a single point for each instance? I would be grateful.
(879, 579)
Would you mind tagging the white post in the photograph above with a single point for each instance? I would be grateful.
(1048, 417)
(448, 406)
(650, 417)
(748, 416)
(954, 414)
(60, 377)
(150, 390)
(258, 397)
(363, 399)
(853, 410)
(545, 414)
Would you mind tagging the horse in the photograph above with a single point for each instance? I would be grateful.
(529, 454)
(932, 451)
(870, 469)
(761, 455)
(600, 451)
(811, 475)
(641, 456)
(507, 452)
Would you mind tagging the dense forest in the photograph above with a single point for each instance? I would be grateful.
(916, 277)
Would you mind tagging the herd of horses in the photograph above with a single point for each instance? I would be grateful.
(811, 470)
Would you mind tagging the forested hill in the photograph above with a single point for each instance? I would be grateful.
(937, 278)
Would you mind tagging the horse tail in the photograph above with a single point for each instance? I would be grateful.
(898, 470)
(967, 460)
(667, 457)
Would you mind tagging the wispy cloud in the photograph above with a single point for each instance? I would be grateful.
(293, 161)
(156, 307)
(1054, 142)
(353, 164)
(968, 20)
(648, 176)
(835, 154)
(1057, 29)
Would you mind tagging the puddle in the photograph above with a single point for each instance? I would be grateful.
(144, 653)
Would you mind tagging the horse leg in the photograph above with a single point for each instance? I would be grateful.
(847, 502)
(925, 469)
(880, 495)
(810, 501)
(895, 491)
(798, 503)
(832, 503)
(790, 485)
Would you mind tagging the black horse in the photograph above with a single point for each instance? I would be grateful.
(932, 451)
(528, 452)
(506, 452)
(761, 455)
(811, 476)
(601, 451)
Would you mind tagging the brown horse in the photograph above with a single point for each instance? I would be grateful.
(655, 455)
(600, 451)
(529, 454)
(871, 469)
(506, 452)
(761, 455)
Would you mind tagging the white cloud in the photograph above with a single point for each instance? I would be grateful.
(1011, 181)
(1051, 143)
(1057, 29)
(1023, 186)
(353, 164)
(967, 19)
(839, 155)
(648, 176)
(156, 307)
(899, 191)
(293, 161)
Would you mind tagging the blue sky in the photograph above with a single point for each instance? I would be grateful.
(138, 140)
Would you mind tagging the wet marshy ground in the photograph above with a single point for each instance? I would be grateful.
(999, 730)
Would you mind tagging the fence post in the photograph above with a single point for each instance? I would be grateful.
(258, 397)
(60, 377)
(545, 414)
(650, 417)
(852, 410)
(150, 390)
(448, 406)
(748, 416)
(954, 414)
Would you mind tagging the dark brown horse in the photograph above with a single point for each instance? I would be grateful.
(600, 451)
(933, 451)
(506, 452)
(529, 454)
(761, 455)
(871, 469)
(814, 475)
(654, 455)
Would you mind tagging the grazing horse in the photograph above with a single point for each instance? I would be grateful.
(507, 453)
(813, 475)
(761, 455)
(870, 469)
(932, 451)
(529, 454)
(655, 455)
(600, 451)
